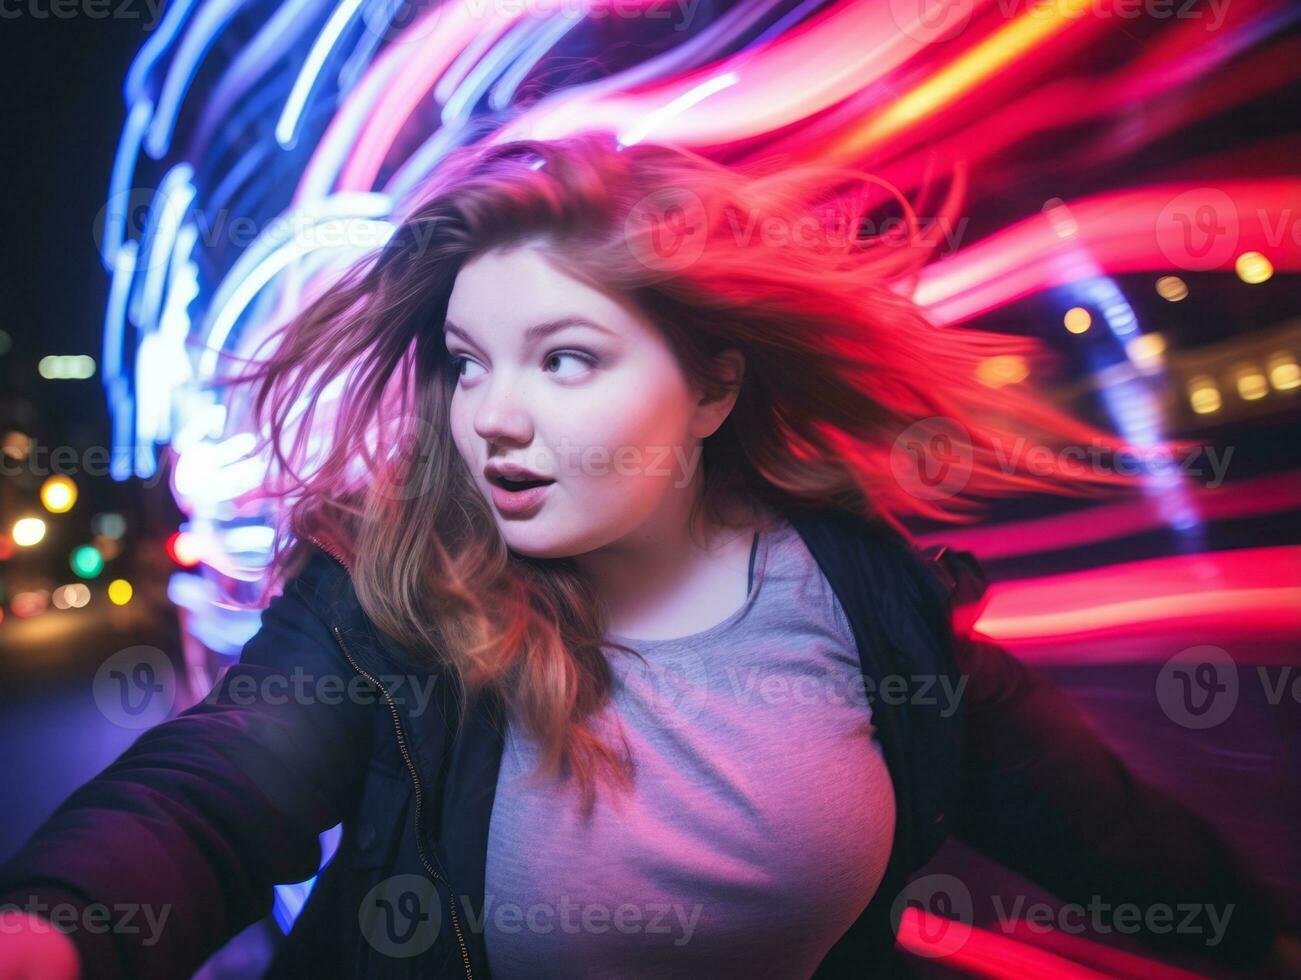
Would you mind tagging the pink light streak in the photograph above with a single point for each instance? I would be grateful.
(852, 45)
(983, 952)
(1106, 522)
(1246, 591)
(1154, 228)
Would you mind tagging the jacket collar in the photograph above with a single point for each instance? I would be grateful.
(425, 721)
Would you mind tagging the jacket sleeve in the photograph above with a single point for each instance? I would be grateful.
(205, 812)
(1043, 795)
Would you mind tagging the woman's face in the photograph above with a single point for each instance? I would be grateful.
(557, 377)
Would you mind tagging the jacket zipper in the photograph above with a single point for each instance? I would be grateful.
(411, 768)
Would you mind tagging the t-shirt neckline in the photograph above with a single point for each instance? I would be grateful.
(759, 550)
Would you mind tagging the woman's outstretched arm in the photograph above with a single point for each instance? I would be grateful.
(193, 824)
(1045, 796)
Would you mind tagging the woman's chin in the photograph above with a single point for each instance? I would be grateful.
(531, 541)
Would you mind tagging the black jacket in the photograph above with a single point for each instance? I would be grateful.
(322, 721)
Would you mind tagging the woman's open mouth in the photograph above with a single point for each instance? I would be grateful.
(517, 496)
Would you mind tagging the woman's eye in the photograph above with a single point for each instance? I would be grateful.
(458, 362)
(584, 360)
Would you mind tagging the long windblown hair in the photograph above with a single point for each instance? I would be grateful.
(844, 379)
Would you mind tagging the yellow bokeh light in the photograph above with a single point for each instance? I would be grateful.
(120, 591)
(1253, 267)
(1146, 350)
(58, 494)
(1252, 385)
(28, 531)
(15, 445)
(1007, 369)
(1172, 288)
(1077, 319)
(1284, 374)
(1203, 396)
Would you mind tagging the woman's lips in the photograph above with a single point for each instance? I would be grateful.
(518, 501)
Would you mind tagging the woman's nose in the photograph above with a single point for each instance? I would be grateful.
(501, 414)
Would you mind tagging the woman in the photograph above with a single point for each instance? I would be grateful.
(602, 542)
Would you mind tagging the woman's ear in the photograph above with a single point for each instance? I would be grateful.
(711, 412)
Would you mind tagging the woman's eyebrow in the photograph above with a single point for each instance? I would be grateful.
(540, 330)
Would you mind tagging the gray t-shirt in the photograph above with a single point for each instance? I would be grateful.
(761, 817)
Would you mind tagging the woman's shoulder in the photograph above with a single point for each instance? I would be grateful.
(953, 576)
(842, 530)
(319, 575)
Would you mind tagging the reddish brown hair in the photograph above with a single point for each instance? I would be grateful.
(839, 364)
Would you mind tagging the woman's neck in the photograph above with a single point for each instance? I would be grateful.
(660, 582)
